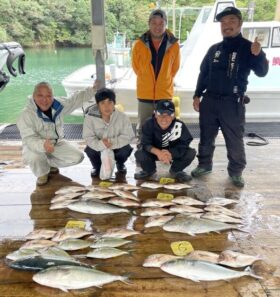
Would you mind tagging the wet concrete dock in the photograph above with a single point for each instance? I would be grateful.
(25, 207)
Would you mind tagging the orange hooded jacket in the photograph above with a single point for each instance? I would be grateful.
(148, 87)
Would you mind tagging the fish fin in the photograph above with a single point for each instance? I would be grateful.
(191, 234)
(194, 279)
(63, 289)
(126, 279)
(251, 273)
(81, 256)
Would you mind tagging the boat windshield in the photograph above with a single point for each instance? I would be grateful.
(276, 37)
(263, 35)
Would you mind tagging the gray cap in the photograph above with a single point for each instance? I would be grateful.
(158, 13)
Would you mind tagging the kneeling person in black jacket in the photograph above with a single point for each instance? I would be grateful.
(166, 139)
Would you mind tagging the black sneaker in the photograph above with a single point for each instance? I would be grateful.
(121, 168)
(143, 174)
(180, 176)
(94, 172)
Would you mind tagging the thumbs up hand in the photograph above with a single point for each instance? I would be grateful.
(256, 47)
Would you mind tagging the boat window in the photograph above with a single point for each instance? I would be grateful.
(221, 6)
(276, 37)
(261, 33)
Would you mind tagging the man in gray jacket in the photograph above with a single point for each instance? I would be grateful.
(107, 128)
(41, 129)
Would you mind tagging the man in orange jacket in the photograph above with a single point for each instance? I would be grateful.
(155, 60)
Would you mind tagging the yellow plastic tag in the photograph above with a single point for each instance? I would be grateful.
(181, 248)
(105, 184)
(166, 180)
(76, 224)
(165, 196)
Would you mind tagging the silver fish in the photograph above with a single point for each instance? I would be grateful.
(41, 234)
(73, 244)
(109, 242)
(156, 260)
(93, 207)
(220, 201)
(157, 221)
(177, 186)
(69, 189)
(235, 259)
(119, 233)
(37, 244)
(123, 202)
(93, 188)
(185, 200)
(98, 195)
(73, 277)
(151, 185)
(67, 196)
(129, 187)
(203, 271)
(223, 210)
(220, 217)
(117, 186)
(106, 253)
(155, 211)
(60, 204)
(193, 226)
(67, 233)
(126, 194)
(185, 209)
(156, 203)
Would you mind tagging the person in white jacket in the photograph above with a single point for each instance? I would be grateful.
(107, 128)
(41, 128)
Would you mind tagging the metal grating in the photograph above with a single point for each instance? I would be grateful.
(74, 131)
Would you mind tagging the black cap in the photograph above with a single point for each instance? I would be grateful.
(227, 11)
(158, 13)
(165, 106)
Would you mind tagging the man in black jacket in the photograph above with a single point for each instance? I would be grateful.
(166, 139)
(222, 83)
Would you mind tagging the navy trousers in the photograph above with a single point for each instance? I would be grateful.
(121, 155)
(148, 160)
(229, 116)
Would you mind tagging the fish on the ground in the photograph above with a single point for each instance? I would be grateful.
(223, 210)
(73, 244)
(193, 226)
(154, 211)
(37, 244)
(203, 256)
(117, 186)
(236, 259)
(109, 242)
(93, 188)
(42, 262)
(123, 202)
(185, 209)
(128, 187)
(67, 196)
(70, 189)
(220, 217)
(177, 186)
(203, 271)
(221, 201)
(41, 234)
(67, 233)
(97, 195)
(74, 277)
(185, 200)
(60, 204)
(94, 207)
(156, 203)
(156, 260)
(151, 185)
(157, 221)
(126, 194)
(119, 233)
(106, 253)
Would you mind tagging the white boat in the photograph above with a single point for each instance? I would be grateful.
(264, 92)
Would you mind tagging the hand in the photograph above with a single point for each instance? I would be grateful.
(107, 142)
(48, 146)
(196, 103)
(164, 156)
(256, 47)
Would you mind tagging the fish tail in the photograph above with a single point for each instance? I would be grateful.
(130, 223)
(126, 279)
(250, 272)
